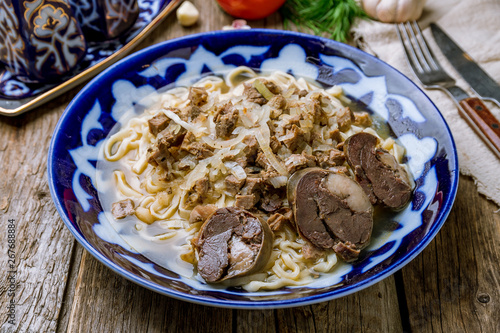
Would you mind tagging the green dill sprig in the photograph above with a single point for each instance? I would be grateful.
(330, 18)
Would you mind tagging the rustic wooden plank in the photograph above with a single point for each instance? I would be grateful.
(211, 18)
(43, 245)
(107, 299)
(106, 302)
(258, 321)
(454, 285)
(67, 303)
(171, 315)
(374, 309)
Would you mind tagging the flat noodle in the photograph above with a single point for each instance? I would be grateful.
(232, 77)
(124, 141)
(165, 198)
(123, 186)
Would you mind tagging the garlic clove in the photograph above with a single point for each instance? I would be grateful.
(187, 14)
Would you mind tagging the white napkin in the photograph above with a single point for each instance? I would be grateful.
(475, 26)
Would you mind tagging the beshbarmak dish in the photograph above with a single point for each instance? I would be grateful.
(253, 180)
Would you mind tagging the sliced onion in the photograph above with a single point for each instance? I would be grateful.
(264, 115)
(308, 150)
(213, 174)
(238, 130)
(288, 136)
(322, 148)
(306, 123)
(328, 109)
(202, 168)
(335, 91)
(247, 118)
(236, 170)
(196, 130)
(211, 125)
(219, 186)
(261, 87)
(216, 162)
(189, 160)
(195, 174)
(302, 84)
(279, 181)
(207, 106)
(295, 110)
(262, 135)
(289, 92)
(220, 144)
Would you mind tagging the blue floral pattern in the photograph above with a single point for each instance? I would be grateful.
(116, 17)
(11, 44)
(133, 85)
(57, 38)
(43, 41)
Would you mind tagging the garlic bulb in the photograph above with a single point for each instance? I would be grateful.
(393, 11)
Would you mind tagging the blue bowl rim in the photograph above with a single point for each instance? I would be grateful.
(300, 301)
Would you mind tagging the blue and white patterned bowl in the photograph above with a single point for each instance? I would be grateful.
(414, 119)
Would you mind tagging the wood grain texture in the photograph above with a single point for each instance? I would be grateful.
(454, 285)
(115, 304)
(69, 295)
(256, 321)
(374, 309)
(43, 245)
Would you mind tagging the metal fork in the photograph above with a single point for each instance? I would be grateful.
(428, 70)
(423, 62)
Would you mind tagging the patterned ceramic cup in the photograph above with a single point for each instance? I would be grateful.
(39, 39)
(104, 19)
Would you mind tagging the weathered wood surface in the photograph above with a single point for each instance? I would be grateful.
(43, 244)
(453, 286)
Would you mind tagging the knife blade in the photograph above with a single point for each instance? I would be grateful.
(486, 87)
(475, 112)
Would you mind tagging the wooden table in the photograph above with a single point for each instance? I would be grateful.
(452, 286)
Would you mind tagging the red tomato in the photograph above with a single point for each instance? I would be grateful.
(250, 9)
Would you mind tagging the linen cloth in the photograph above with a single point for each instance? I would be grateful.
(475, 26)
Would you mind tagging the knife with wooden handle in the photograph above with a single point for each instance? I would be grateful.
(480, 117)
(474, 110)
